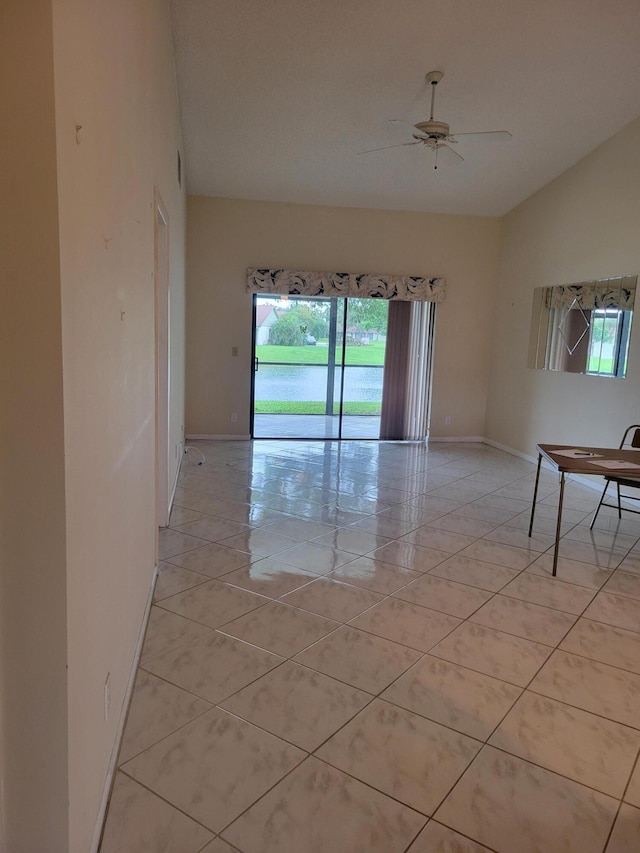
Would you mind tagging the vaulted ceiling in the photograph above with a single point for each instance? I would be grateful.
(278, 97)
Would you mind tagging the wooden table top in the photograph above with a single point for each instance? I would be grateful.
(578, 463)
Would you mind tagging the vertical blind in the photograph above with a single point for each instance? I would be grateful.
(396, 366)
(418, 400)
(407, 371)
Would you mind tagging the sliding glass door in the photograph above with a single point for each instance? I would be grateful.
(363, 366)
(318, 367)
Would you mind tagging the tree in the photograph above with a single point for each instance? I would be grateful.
(287, 330)
(604, 326)
(313, 317)
(369, 315)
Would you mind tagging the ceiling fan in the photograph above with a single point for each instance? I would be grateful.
(437, 136)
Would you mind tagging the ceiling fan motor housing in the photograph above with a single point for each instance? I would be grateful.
(434, 129)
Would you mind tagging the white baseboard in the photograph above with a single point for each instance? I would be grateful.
(198, 437)
(208, 437)
(469, 439)
(111, 768)
(175, 484)
(511, 450)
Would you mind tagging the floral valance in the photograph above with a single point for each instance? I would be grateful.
(364, 285)
(605, 293)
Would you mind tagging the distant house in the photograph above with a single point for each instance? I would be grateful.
(266, 316)
(356, 335)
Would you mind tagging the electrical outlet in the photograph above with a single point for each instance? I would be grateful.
(447, 420)
(107, 696)
(234, 417)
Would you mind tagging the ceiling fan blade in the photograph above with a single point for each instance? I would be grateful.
(447, 156)
(482, 136)
(385, 147)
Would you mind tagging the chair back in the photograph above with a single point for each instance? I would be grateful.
(631, 437)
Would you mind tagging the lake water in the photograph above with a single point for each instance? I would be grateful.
(309, 383)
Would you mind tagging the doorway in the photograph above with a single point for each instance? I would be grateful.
(318, 367)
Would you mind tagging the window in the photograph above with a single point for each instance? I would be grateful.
(608, 342)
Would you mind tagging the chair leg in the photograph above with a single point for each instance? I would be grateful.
(595, 515)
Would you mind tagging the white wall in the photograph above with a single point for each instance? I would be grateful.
(226, 236)
(115, 78)
(78, 488)
(584, 225)
(33, 641)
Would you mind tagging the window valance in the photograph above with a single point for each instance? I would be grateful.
(605, 293)
(363, 285)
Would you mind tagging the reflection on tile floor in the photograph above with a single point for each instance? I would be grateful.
(316, 426)
(356, 648)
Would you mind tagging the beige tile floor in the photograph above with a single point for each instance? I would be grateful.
(356, 648)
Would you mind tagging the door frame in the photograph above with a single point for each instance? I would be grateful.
(162, 349)
(254, 358)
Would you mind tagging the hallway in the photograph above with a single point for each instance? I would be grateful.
(355, 648)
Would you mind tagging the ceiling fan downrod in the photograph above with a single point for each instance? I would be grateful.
(433, 77)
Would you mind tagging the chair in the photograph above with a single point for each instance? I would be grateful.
(630, 440)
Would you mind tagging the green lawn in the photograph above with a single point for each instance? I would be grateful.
(295, 407)
(372, 354)
(604, 365)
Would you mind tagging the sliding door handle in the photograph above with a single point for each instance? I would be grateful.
(256, 364)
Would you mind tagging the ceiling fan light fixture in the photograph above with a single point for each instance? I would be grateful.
(436, 129)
